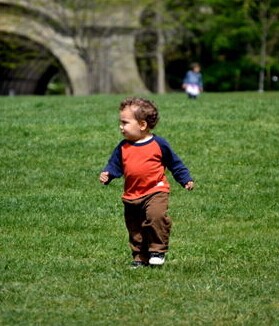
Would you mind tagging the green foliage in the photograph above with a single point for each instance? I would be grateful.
(56, 86)
(221, 34)
(64, 258)
(14, 52)
(231, 75)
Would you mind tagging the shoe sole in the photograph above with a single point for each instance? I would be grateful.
(138, 265)
(156, 261)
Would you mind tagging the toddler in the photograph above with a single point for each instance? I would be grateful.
(142, 158)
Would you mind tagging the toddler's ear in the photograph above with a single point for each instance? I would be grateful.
(143, 125)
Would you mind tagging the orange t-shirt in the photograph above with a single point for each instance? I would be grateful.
(143, 166)
(143, 170)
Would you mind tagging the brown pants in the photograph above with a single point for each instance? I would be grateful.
(148, 224)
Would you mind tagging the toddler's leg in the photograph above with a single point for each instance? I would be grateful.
(137, 239)
(157, 223)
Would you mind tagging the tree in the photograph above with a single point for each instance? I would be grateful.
(262, 17)
(150, 45)
(159, 19)
(161, 33)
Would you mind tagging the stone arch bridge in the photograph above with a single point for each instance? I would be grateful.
(38, 27)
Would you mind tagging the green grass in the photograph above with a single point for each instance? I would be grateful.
(64, 258)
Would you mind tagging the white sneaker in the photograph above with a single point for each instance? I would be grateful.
(157, 258)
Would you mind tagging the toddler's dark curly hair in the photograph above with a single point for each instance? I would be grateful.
(143, 110)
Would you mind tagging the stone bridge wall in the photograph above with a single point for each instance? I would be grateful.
(110, 45)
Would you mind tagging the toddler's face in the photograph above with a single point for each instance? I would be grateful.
(129, 126)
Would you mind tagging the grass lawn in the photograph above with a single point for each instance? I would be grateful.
(64, 257)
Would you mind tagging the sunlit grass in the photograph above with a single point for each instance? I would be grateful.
(64, 258)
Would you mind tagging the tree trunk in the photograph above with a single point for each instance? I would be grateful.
(262, 62)
(161, 86)
(263, 18)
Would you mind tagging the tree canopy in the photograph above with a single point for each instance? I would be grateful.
(236, 42)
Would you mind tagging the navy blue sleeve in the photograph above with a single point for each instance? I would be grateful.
(114, 166)
(174, 164)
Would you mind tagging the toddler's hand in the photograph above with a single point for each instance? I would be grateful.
(189, 185)
(104, 177)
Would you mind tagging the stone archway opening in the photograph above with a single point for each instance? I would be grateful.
(29, 68)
